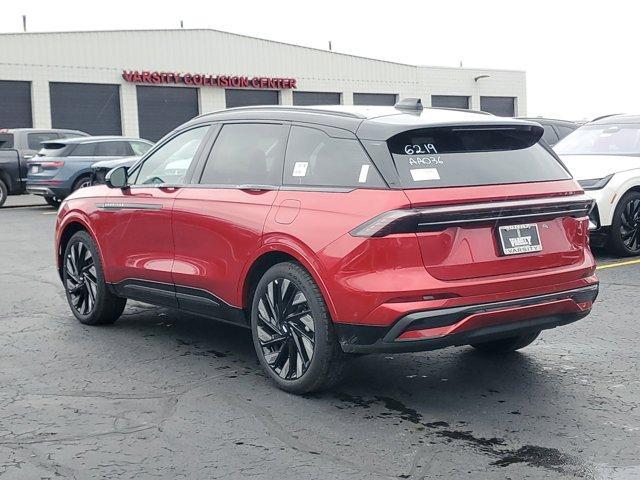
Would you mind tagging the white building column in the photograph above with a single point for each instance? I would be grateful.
(40, 104)
(212, 99)
(286, 97)
(129, 110)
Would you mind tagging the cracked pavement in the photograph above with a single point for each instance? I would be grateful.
(163, 394)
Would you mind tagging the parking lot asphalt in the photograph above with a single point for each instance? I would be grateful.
(162, 394)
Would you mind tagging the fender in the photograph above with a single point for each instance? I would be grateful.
(279, 242)
(67, 216)
(611, 194)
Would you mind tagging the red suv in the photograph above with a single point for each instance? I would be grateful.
(337, 231)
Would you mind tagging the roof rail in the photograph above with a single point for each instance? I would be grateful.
(409, 104)
(286, 108)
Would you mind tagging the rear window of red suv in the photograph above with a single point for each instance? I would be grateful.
(468, 156)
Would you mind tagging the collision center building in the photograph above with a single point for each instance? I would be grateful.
(145, 83)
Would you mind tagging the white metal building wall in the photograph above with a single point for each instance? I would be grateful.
(100, 57)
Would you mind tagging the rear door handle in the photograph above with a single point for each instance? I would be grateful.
(257, 187)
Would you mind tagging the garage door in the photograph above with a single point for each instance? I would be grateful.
(501, 106)
(247, 98)
(316, 98)
(91, 107)
(384, 99)
(450, 101)
(161, 109)
(15, 104)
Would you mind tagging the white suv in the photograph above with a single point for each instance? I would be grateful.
(604, 156)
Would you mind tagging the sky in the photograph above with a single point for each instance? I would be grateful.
(580, 56)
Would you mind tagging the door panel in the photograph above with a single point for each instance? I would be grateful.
(216, 230)
(137, 238)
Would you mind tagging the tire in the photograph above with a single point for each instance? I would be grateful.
(506, 345)
(624, 237)
(4, 192)
(53, 201)
(81, 183)
(82, 275)
(283, 336)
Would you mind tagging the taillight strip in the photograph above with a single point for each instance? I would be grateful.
(440, 218)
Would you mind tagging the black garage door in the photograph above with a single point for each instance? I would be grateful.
(385, 99)
(91, 107)
(450, 101)
(501, 106)
(15, 104)
(161, 109)
(247, 98)
(316, 98)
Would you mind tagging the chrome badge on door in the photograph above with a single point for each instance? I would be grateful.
(523, 238)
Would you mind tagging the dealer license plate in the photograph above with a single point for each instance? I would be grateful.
(516, 239)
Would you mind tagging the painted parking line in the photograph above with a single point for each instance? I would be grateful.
(618, 264)
(49, 213)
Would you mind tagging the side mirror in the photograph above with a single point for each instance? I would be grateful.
(116, 177)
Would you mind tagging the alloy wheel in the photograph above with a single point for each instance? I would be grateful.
(286, 330)
(630, 225)
(81, 279)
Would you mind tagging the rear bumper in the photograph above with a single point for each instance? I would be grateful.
(434, 329)
(47, 191)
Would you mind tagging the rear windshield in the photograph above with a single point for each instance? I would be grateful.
(601, 140)
(466, 156)
(53, 150)
(6, 140)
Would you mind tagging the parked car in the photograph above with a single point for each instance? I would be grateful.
(338, 230)
(554, 130)
(64, 166)
(604, 156)
(17, 146)
(100, 169)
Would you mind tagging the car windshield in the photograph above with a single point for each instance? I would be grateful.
(6, 140)
(601, 140)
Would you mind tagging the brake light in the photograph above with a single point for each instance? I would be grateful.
(52, 164)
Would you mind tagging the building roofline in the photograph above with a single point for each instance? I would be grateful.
(471, 69)
(146, 30)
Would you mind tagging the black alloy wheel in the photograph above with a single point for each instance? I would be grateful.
(4, 192)
(81, 278)
(624, 239)
(630, 225)
(286, 330)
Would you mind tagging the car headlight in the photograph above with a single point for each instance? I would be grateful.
(595, 183)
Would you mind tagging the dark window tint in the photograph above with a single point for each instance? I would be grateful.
(501, 106)
(15, 104)
(113, 149)
(84, 150)
(383, 99)
(450, 101)
(35, 139)
(316, 159)
(171, 161)
(549, 135)
(90, 107)
(53, 149)
(246, 154)
(6, 140)
(316, 98)
(462, 156)
(246, 98)
(161, 109)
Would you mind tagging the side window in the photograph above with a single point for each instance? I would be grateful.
(139, 148)
(113, 149)
(549, 135)
(316, 159)
(84, 150)
(34, 139)
(246, 154)
(169, 164)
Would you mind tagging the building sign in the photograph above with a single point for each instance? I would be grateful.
(201, 80)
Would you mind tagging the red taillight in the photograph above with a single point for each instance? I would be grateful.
(52, 164)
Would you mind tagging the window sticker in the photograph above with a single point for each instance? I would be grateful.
(364, 172)
(421, 174)
(300, 169)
